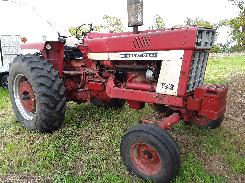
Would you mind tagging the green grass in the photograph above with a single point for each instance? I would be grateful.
(86, 148)
(220, 70)
(192, 170)
(4, 99)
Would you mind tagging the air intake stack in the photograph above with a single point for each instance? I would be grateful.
(135, 14)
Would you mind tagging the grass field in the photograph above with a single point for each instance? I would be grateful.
(86, 148)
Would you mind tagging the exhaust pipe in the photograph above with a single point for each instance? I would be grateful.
(135, 14)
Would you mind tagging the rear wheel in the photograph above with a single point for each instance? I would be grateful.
(161, 108)
(37, 94)
(150, 153)
(211, 124)
(215, 123)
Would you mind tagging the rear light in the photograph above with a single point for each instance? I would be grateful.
(48, 46)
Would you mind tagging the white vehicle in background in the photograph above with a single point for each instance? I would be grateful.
(9, 49)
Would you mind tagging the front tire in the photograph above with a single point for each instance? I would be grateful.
(37, 93)
(151, 153)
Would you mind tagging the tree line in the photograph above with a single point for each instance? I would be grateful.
(236, 26)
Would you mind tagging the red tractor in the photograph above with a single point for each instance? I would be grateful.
(163, 68)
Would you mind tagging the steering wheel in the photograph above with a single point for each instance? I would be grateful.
(84, 33)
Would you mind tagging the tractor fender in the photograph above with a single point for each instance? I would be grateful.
(51, 51)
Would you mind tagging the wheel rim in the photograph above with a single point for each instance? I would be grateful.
(24, 97)
(145, 158)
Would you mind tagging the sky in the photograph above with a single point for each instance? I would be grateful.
(29, 17)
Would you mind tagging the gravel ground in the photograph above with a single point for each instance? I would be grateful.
(235, 115)
(234, 121)
(233, 124)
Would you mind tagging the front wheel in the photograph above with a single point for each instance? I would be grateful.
(150, 153)
(37, 93)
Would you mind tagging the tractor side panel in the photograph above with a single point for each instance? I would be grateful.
(170, 73)
(52, 51)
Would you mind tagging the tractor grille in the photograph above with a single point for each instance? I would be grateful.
(141, 42)
(197, 69)
(205, 38)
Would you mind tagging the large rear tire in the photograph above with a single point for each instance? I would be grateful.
(37, 93)
(151, 153)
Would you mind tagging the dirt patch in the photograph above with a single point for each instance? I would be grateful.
(234, 122)
(234, 125)
(235, 114)
(6, 112)
(24, 178)
(217, 165)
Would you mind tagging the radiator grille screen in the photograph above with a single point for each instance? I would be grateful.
(197, 69)
(205, 38)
